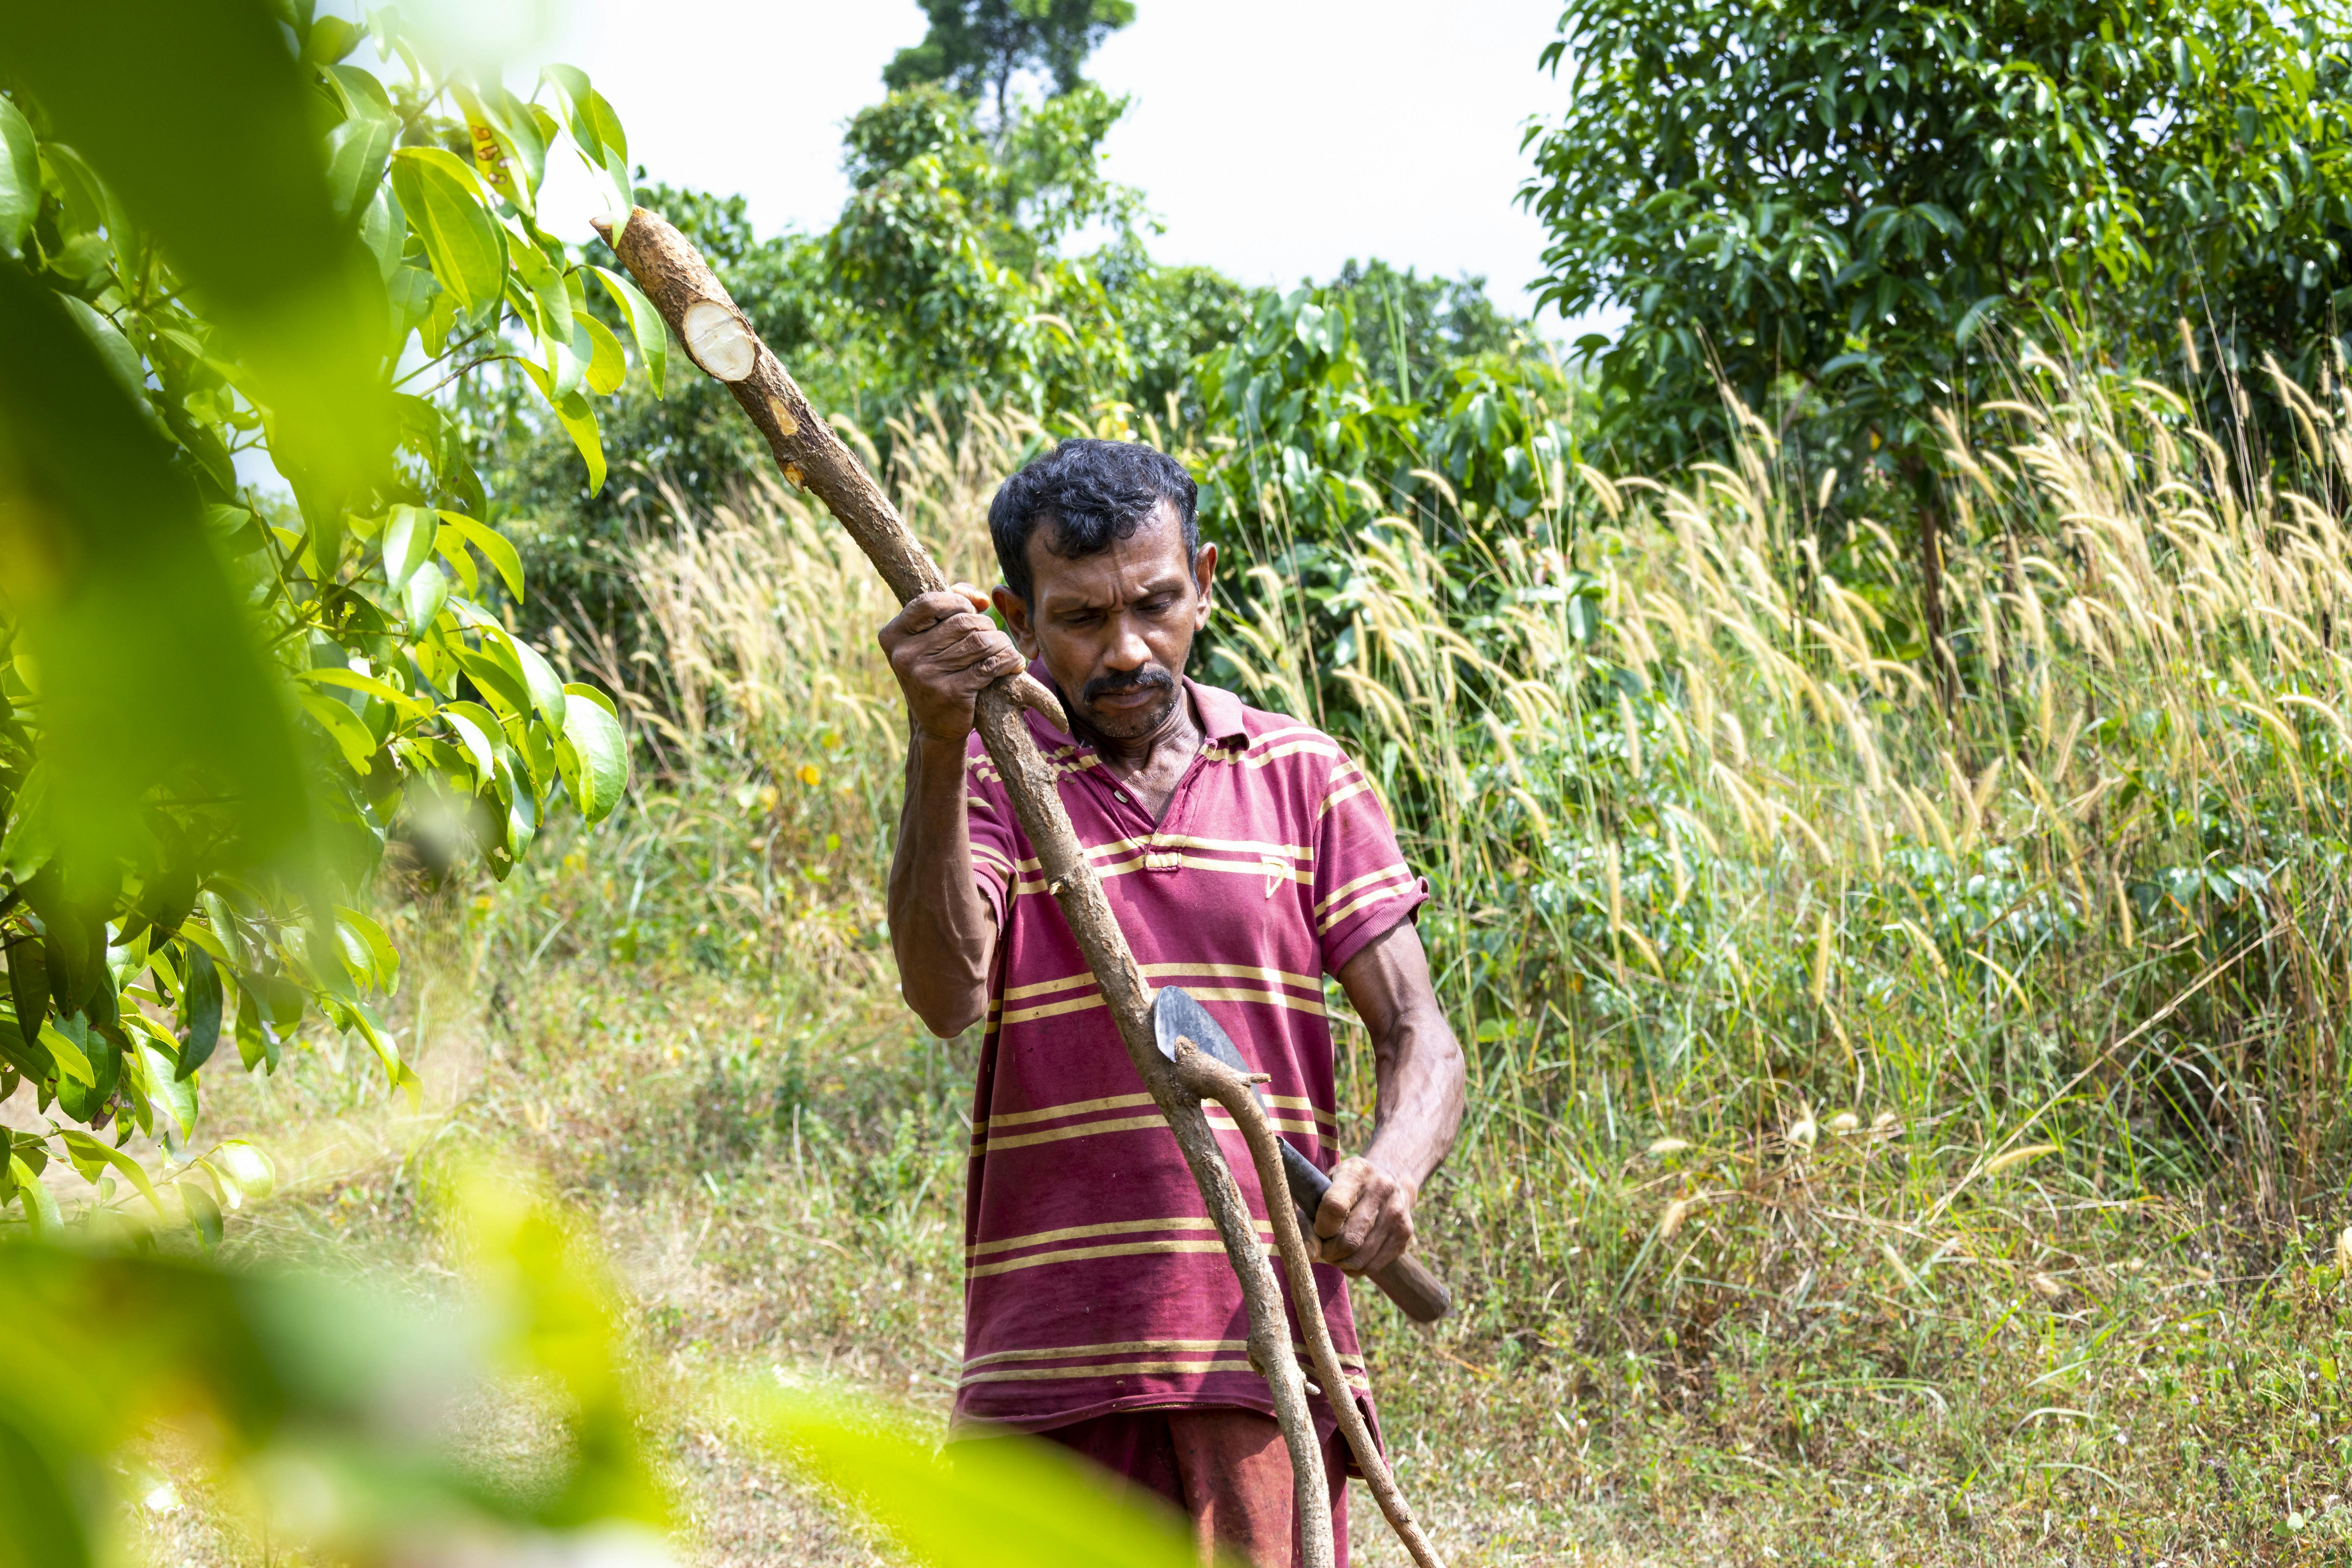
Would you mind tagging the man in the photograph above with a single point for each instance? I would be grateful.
(1246, 857)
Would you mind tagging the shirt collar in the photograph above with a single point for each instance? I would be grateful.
(1219, 711)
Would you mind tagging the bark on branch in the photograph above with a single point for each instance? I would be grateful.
(1202, 1075)
(812, 457)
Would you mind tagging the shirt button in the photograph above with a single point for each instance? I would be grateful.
(1119, 794)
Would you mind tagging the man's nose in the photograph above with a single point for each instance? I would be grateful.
(1128, 649)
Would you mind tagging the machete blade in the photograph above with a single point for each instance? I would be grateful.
(1175, 1013)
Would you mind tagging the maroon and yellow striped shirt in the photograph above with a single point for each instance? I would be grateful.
(1093, 1281)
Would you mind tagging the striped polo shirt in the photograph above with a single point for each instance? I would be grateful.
(1093, 1280)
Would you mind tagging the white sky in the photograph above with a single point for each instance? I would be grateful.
(1275, 138)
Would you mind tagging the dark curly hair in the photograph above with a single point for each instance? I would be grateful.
(1094, 493)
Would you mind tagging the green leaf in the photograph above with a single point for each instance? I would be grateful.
(20, 178)
(45, 1526)
(608, 367)
(539, 679)
(1003, 1502)
(645, 324)
(200, 1005)
(408, 536)
(544, 280)
(120, 358)
(201, 119)
(167, 1088)
(40, 1206)
(596, 134)
(383, 959)
(495, 548)
(342, 726)
(598, 750)
(203, 1214)
(474, 726)
(425, 595)
(87, 1154)
(148, 660)
(579, 422)
(444, 207)
(358, 152)
(72, 1061)
(28, 983)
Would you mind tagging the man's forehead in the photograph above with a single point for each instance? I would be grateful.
(1153, 554)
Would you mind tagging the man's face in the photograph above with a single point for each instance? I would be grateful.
(1114, 629)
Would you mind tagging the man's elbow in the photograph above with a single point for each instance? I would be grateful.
(945, 1016)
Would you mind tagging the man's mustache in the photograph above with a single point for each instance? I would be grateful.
(1118, 685)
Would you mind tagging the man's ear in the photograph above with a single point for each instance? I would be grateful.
(1205, 572)
(1016, 612)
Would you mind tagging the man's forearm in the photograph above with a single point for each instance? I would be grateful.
(1420, 1075)
(940, 928)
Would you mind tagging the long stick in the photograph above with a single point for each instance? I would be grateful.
(1206, 1077)
(724, 343)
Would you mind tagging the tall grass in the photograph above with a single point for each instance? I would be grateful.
(1716, 868)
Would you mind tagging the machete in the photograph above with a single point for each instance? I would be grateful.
(1177, 1015)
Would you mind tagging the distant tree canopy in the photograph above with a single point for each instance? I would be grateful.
(976, 48)
(1832, 199)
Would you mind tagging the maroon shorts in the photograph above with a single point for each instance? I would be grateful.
(1225, 1469)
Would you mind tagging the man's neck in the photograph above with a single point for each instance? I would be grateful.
(1173, 742)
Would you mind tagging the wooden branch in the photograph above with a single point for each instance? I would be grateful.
(722, 343)
(1202, 1075)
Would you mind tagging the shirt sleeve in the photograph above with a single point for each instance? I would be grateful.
(996, 836)
(1362, 886)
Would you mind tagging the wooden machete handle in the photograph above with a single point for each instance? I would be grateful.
(715, 331)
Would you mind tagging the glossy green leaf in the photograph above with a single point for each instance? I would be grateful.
(167, 1089)
(121, 359)
(579, 421)
(29, 985)
(39, 1203)
(383, 959)
(645, 324)
(425, 595)
(342, 726)
(358, 152)
(408, 535)
(598, 772)
(202, 1009)
(607, 366)
(240, 205)
(546, 687)
(545, 281)
(474, 726)
(88, 1153)
(495, 548)
(71, 1059)
(149, 668)
(20, 178)
(1002, 1502)
(45, 1527)
(444, 207)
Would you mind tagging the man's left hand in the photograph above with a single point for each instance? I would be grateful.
(1365, 1222)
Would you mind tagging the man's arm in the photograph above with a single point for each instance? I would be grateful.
(943, 651)
(1366, 1219)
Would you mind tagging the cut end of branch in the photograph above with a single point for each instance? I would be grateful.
(718, 340)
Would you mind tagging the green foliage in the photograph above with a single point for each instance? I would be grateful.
(1304, 449)
(232, 256)
(326, 1415)
(976, 47)
(1825, 202)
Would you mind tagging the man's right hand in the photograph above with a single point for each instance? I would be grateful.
(943, 648)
